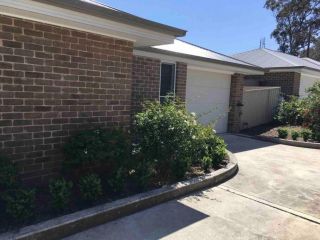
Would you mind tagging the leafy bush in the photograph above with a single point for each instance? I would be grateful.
(313, 114)
(292, 111)
(60, 191)
(170, 140)
(90, 187)
(208, 145)
(295, 135)
(206, 163)
(282, 133)
(97, 147)
(8, 174)
(117, 180)
(19, 204)
(306, 134)
(164, 132)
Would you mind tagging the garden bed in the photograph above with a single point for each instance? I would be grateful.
(63, 226)
(269, 132)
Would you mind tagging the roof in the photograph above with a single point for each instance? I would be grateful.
(97, 9)
(187, 50)
(271, 59)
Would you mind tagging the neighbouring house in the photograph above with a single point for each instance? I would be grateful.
(293, 74)
(65, 65)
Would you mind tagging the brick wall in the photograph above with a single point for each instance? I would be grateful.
(235, 103)
(54, 80)
(146, 80)
(288, 81)
(181, 82)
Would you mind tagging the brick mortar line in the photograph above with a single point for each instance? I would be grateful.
(272, 205)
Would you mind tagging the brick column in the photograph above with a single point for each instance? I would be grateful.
(236, 97)
(181, 80)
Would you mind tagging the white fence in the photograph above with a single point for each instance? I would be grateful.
(259, 105)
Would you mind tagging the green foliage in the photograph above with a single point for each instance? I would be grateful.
(283, 133)
(118, 180)
(164, 133)
(306, 134)
(291, 111)
(295, 135)
(207, 144)
(8, 174)
(96, 147)
(313, 114)
(60, 191)
(170, 140)
(298, 23)
(90, 187)
(206, 163)
(19, 204)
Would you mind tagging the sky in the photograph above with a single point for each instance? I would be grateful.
(225, 26)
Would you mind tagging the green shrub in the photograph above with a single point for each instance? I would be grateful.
(306, 134)
(283, 133)
(90, 187)
(19, 204)
(295, 135)
(206, 163)
(313, 114)
(291, 111)
(164, 133)
(60, 191)
(208, 145)
(118, 180)
(8, 174)
(97, 147)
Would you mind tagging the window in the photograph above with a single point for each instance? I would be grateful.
(168, 80)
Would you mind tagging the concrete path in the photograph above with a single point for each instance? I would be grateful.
(276, 190)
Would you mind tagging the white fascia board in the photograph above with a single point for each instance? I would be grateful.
(44, 13)
(199, 65)
(297, 70)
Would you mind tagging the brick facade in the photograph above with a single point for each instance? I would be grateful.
(54, 80)
(235, 103)
(146, 80)
(288, 81)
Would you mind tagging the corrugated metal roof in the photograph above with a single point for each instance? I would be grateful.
(186, 48)
(267, 58)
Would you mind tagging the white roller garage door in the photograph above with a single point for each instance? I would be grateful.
(208, 95)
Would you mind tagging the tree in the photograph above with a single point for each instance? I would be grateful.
(314, 52)
(298, 24)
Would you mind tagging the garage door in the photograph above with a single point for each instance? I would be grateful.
(208, 96)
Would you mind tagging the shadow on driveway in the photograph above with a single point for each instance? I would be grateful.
(238, 144)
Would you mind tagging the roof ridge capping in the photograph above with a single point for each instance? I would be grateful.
(97, 9)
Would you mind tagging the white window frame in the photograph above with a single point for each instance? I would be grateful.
(174, 80)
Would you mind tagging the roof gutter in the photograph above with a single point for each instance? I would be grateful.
(115, 15)
(292, 68)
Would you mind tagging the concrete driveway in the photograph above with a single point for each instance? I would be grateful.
(275, 195)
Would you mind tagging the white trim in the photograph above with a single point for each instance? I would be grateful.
(174, 80)
(205, 66)
(45, 13)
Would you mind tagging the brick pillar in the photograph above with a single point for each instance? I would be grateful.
(236, 97)
(181, 80)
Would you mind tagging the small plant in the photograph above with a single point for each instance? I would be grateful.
(306, 134)
(60, 191)
(291, 111)
(206, 164)
(19, 204)
(90, 187)
(283, 133)
(8, 174)
(117, 181)
(295, 135)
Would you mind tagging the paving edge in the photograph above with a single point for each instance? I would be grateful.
(283, 141)
(64, 226)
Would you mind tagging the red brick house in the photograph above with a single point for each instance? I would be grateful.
(65, 65)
